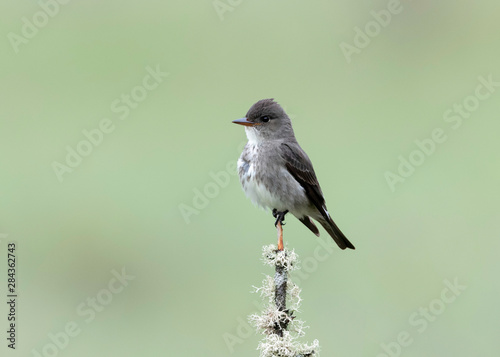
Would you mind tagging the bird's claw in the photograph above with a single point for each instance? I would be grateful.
(280, 217)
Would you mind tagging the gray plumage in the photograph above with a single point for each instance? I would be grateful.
(277, 174)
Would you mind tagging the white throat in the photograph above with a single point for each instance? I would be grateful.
(253, 136)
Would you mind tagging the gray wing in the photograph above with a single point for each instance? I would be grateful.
(300, 167)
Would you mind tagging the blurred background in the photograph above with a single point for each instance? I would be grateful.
(117, 157)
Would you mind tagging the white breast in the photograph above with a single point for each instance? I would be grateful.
(262, 197)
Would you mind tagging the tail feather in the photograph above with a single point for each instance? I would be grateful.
(310, 224)
(335, 233)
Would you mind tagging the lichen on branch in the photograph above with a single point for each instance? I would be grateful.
(281, 329)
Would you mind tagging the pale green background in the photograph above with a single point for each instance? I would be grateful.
(120, 207)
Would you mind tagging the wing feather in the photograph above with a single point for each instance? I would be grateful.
(300, 167)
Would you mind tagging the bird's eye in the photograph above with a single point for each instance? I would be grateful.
(265, 118)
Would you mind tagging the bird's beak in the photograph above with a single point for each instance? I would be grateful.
(245, 122)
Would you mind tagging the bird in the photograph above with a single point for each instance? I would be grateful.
(277, 174)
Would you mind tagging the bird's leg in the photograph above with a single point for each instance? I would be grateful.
(280, 236)
(280, 217)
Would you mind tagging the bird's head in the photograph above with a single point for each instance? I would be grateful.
(266, 120)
